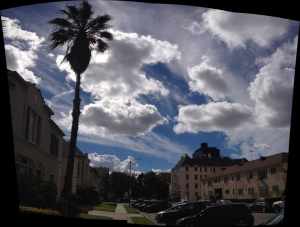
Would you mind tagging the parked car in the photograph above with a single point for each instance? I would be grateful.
(223, 202)
(258, 205)
(157, 206)
(235, 214)
(140, 206)
(171, 215)
(278, 206)
(277, 219)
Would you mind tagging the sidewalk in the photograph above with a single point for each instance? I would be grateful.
(119, 214)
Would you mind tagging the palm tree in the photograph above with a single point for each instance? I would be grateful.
(80, 33)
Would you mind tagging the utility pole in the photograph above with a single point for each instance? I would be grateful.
(129, 191)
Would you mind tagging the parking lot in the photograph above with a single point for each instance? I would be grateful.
(259, 217)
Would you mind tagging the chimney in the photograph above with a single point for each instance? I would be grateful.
(204, 145)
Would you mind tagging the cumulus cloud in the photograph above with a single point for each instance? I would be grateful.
(236, 29)
(214, 116)
(119, 116)
(272, 88)
(112, 162)
(161, 170)
(21, 52)
(118, 71)
(208, 80)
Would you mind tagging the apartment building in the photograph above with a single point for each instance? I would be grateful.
(264, 177)
(208, 175)
(189, 173)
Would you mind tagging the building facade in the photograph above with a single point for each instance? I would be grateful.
(208, 175)
(264, 177)
(39, 144)
(38, 141)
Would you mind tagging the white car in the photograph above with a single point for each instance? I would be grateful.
(278, 206)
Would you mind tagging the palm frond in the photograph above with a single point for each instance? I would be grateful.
(107, 35)
(101, 45)
(61, 22)
(99, 23)
(85, 12)
(60, 37)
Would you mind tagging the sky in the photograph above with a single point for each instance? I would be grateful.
(172, 78)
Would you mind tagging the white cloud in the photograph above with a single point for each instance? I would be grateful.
(14, 31)
(21, 53)
(208, 80)
(214, 116)
(121, 116)
(118, 71)
(236, 29)
(161, 171)
(113, 162)
(272, 88)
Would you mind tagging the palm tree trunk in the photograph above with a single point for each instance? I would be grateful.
(72, 145)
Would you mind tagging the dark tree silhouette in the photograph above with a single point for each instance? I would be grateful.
(80, 33)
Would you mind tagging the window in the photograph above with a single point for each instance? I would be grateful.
(196, 195)
(275, 189)
(187, 168)
(240, 191)
(200, 169)
(196, 185)
(205, 169)
(196, 168)
(51, 178)
(238, 177)
(33, 126)
(251, 191)
(273, 170)
(225, 179)
(262, 174)
(226, 191)
(250, 176)
(187, 185)
(196, 177)
(187, 176)
(54, 145)
(214, 169)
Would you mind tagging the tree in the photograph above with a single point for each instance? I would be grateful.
(80, 33)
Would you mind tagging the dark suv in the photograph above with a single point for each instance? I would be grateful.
(171, 215)
(235, 214)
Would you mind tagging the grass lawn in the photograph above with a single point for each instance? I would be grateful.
(106, 206)
(88, 216)
(39, 210)
(131, 210)
(141, 221)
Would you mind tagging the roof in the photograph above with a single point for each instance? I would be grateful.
(263, 162)
(221, 161)
(56, 127)
(27, 84)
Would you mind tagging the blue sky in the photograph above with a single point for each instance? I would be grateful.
(174, 77)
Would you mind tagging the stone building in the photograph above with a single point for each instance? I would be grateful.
(38, 141)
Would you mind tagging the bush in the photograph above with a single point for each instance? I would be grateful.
(36, 193)
(87, 196)
(69, 206)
